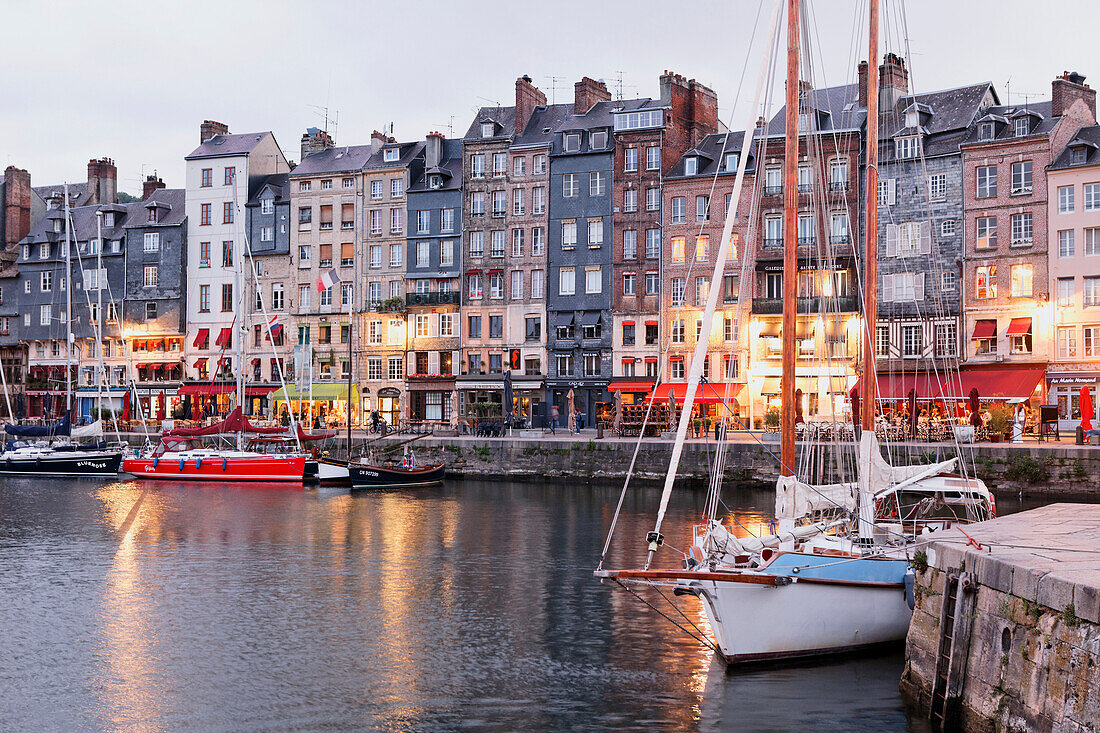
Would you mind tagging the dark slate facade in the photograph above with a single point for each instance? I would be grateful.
(160, 308)
(568, 315)
(436, 188)
(274, 215)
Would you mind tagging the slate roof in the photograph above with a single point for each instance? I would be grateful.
(1089, 134)
(544, 120)
(220, 146)
(78, 192)
(409, 151)
(713, 147)
(340, 159)
(1006, 132)
(953, 111)
(503, 116)
(279, 184)
(172, 216)
(839, 108)
(601, 114)
(451, 165)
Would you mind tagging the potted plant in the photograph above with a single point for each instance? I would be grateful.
(1000, 422)
(695, 426)
(771, 418)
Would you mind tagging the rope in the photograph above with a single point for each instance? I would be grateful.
(702, 640)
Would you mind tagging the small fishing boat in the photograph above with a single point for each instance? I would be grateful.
(369, 476)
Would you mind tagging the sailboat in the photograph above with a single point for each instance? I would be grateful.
(48, 450)
(180, 454)
(835, 577)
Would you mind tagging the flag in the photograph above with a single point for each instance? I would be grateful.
(327, 280)
(274, 328)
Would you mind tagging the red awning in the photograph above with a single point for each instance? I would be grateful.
(201, 338)
(263, 391)
(255, 361)
(992, 383)
(651, 323)
(985, 329)
(628, 323)
(207, 389)
(200, 362)
(651, 359)
(706, 393)
(1019, 327)
(630, 386)
(224, 337)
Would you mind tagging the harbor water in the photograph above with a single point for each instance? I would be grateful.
(472, 605)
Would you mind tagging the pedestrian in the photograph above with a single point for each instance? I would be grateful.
(374, 419)
(554, 415)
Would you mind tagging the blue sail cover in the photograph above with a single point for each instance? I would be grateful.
(61, 427)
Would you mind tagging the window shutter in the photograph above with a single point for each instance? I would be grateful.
(925, 238)
(891, 190)
(347, 250)
(326, 251)
(888, 288)
(918, 287)
(891, 240)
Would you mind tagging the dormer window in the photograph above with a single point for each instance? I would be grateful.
(731, 161)
(267, 205)
(435, 181)
(108, 219)
(487, 129)
(1076, 156)
(912, 118)
(691, 166)
(572, 142)
(57, 226)
(599, 139)
(152, 217)
(1020, 127)
(390, 155)
(985, 131)
(906, 147)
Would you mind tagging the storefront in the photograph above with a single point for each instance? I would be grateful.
(589, 399)
(950, 390)
(430, 398)
(1064, 390)
(326, 402)
(389, 405)
(155, 401)
(112, 401)
(713, 400)
(480, 396)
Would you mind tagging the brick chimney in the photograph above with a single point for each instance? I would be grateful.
(861, 70)
(1068, 87)
(693, 109)
(433, 150)
(102, 182)
(17, 206)
(314, 141)
(893, 82)
(152, 183)
(377, 140)
(586, 93)
(210, 128)
(528, 96)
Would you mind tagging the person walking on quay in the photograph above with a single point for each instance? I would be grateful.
(555, 413)
(374, 418)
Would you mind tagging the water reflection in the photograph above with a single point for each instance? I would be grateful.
(469, 605)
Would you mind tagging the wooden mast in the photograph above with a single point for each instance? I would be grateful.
(869, 380)
(790, 245)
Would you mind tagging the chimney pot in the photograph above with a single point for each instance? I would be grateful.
(210, 128)
(586, 93)
(152, 183)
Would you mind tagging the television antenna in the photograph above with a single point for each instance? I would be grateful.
(322, 111)
(450, 127)
(554, 87)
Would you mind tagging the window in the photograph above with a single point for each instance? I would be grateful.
(496, 327)
(204, 215)
(446, 254)
(1021, 177)
(1092, 241)
(267, 234)
(679, 210)
(1065, 199)
(151, 242)
(423, 221)
(477, 166)
(227, 254)
(423, 252)
(519, 166)
(903, 287)
(207, 177)
(597, 139)
(569, 186)
(678, 245)
(911, 342)
(691, 165)
(150, 313)
(391, 155)
(805, 179)
(305, 217)
(947, 339)
(1019, 126)
(397, 219)
(571, 142)
(567, 281)
(838, 227)
(907, 147)
(937, 186)
(630, 283)
(1092, 196)
(227, 297)
(678, 331)
(1092, 291)
(630, 244)
(597, 183)
(702, 289)
(518, 208)
(446, 220)
(731, 282)
(496, 243)
(701, 246)
(595, 233)
(397, 187)
(500, 164)
(677, 292)
(773, 231)
(630, 199)
(148, 276)
(565, 365)
(985, 131)
(1077, 155)
(630, 160)
(204, 298)
(947, 228)
(652, 199)
(986, 232)
(652, 243)
(1067, 343)
(1092, 340)
(986, 177)
(477, 244)
(652, 158)
(473, 287)
(517, 285)
(538, 200)
(568, 233)
(593, 280)
(985, 285)
(538, 164)
(423, 329)
(702, 208)
(277, 296)
(591, 365)
(676, 368)
(374, 254)
(1064, 291)
(1020, 343)
(46, 281)
(446, 324)
(1021, 277)
(44, 315)
(652, 283)
(948, 280)
(538, 241)
(1021, 230)
(537, 284)
(227, 212)
(374, 367)
(887, 191)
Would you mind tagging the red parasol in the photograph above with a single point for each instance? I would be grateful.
(196, 410)
(913, 413)
(1087, 410)
(853, 395)
(975, 406)
(126, 405)
(160, 406)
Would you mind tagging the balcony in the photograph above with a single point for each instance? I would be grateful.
(805, 188)
(774, 306)
(773, 190)
(431, 298)
(839, 239)
(806, 241)
(773, 241)
(838, 185)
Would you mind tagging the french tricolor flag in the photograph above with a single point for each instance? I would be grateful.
(327, 280)
(274, 328)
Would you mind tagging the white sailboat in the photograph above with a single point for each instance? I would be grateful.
(833, 578)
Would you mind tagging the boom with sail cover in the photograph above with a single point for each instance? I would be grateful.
(61, 427)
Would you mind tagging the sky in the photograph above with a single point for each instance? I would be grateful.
(133, 80)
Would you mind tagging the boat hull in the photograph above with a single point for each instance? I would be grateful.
(330, 471)
(264, 468)
(64, 464)
(373, 477)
